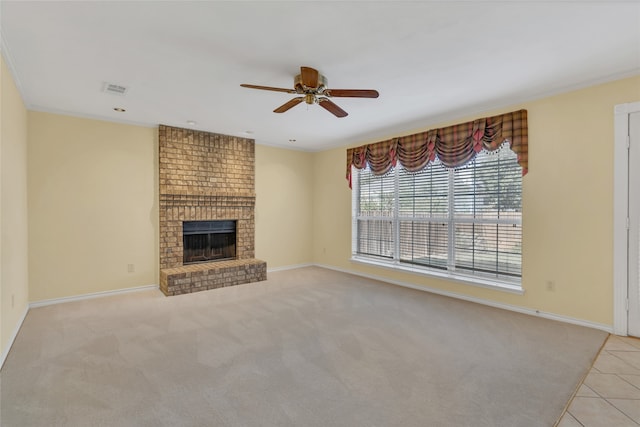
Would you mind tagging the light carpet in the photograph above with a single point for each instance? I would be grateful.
(307, 347)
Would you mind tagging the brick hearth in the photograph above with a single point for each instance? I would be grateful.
(203, 177)
(211, 275)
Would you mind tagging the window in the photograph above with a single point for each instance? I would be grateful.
(462, 222)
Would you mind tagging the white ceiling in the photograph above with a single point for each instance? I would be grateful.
(430, 61)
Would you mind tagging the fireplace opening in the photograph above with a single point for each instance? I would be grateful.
(208, 241)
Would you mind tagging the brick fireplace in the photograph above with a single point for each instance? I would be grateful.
(206, 177)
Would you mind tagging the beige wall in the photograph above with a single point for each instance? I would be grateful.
(13, 208)
(567, 207)
(284, 208)
(93, 206)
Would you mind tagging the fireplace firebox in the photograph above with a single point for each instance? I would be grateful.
(205, 241)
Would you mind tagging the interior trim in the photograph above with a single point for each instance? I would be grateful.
(620, 212)
(288, 267)
(43, 303)
(4, 355)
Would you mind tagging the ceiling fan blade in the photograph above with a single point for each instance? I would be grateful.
(332, 108)
(276, 89)
(287, 105)
(310, 77)
(352, 93)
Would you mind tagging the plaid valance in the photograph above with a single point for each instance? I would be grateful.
(454, 145)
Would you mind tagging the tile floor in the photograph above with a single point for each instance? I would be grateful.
(610, 393)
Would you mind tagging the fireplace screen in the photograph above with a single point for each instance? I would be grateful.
(208, 241)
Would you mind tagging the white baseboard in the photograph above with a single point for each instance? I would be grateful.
(52, 301)
(515, 308)
(4, 355)
(288, 267)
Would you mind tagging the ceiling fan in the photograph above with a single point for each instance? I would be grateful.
(313, 87)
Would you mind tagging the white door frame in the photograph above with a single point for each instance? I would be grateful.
(620, 213)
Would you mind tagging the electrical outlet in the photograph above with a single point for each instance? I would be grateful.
(551, 285)
(131, 268)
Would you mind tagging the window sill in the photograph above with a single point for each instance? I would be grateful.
(489, 283)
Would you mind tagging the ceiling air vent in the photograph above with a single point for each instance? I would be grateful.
(114, 89)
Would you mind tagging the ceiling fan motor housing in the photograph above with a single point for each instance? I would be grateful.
(301, 88)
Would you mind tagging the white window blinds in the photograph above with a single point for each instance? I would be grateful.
(466, 220)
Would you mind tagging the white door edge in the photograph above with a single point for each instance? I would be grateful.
(620, 209)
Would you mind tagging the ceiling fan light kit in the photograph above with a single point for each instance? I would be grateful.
(313, 86)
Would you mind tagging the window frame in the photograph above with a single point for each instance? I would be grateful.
(489, 280)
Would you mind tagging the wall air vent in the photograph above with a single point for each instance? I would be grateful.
(114, 89)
